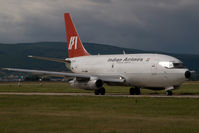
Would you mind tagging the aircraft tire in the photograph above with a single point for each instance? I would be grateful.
(132, 91)
(137, 91)
(97, 91)
(102, 91)
(169, 93)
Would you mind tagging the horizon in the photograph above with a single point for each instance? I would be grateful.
(152, 51)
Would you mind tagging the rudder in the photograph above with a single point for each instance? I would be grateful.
(75, 46)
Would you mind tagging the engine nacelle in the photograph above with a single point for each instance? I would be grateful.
(87, 85)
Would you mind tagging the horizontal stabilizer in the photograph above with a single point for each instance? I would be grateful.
(50, 59)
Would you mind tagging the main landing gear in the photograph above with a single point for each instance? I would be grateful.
(134, 91)
(169, 93)
(101, 91)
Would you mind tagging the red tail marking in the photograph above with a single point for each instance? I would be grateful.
(75, 46)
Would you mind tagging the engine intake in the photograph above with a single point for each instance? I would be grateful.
(187, 74)
(99, 83)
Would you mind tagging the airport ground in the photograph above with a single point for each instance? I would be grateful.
(96, 114)
(188, 88)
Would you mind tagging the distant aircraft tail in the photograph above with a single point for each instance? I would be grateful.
(75, 46)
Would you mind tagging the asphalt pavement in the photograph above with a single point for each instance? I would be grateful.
(91, 94)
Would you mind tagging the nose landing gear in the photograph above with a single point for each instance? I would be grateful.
(169, 90)
(169, 93)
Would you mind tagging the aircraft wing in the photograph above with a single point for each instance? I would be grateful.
(105, 78)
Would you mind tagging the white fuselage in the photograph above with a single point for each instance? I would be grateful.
(143, 70)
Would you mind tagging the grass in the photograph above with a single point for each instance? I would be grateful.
(78, 114)
(84, 114)
(191, 88)
(36, 87)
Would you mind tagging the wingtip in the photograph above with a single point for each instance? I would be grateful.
(30, 56)
(4, 69)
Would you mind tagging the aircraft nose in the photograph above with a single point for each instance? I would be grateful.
(187, 74)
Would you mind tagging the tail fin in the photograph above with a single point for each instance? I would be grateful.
(75, 46)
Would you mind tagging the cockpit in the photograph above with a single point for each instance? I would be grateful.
(172, 65)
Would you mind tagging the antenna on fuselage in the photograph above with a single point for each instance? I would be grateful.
(124, 52)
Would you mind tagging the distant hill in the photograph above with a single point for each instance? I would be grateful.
(15, 55)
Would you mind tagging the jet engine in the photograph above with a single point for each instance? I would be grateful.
(91, 84)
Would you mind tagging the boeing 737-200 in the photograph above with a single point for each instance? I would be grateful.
(91, 72)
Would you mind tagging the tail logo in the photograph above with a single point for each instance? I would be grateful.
(73, 41)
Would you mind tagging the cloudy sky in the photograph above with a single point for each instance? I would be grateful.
(166, 25)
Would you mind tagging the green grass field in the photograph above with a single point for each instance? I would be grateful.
(88, 114)
(77, 114)
(191, 88)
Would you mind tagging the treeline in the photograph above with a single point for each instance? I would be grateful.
(36, 78)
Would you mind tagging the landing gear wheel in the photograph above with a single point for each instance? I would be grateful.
(137, 91)
(134, 91)
(169, 93)
(101, 91)
(97, 92)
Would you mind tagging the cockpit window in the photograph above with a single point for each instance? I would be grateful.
(179, 65)
(171, 65)
(166, 64)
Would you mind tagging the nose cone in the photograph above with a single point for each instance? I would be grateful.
(187, 74)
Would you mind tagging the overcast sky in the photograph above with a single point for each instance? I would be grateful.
(166, 25)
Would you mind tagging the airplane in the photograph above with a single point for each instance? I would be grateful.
(91, 72)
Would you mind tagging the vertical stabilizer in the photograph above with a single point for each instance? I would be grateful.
(75, 46)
